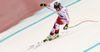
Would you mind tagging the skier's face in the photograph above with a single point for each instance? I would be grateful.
(57, 9)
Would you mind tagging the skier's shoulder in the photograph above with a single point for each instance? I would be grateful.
(62, 8)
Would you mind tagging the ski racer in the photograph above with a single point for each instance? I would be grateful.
(63, 18)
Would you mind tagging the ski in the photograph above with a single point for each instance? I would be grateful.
(38, 44)
(35, 45)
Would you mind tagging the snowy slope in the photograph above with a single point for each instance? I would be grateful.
(77, 39)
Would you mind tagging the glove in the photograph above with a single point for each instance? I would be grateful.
(42, 4)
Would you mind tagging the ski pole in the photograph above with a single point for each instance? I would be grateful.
(83, 22)
(78, 23)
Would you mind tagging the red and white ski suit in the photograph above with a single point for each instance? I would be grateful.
(63, 18)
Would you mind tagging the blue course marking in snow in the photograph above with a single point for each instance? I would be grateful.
(35, 22)
(92, 47)
(72, 3)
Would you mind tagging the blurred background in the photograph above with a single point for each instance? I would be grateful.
(13, 11)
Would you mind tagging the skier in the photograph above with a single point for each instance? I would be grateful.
(63, 18)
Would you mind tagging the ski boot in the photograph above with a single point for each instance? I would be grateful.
(65, 27)
(51, 37)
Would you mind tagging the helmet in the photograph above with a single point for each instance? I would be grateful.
(57, 5)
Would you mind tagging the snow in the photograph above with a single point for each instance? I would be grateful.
(77, 39)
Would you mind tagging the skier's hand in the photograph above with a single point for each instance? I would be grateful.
(42, 4)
